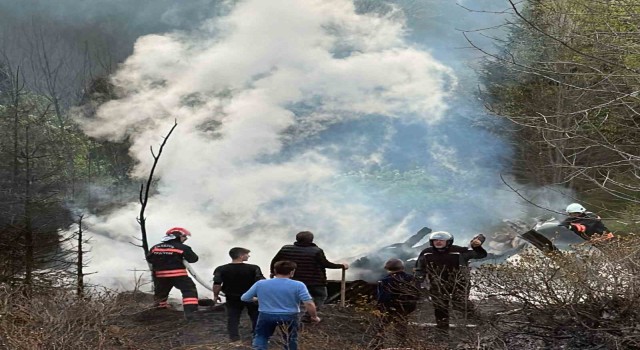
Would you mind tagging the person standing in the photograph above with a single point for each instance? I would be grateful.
(279, 305)
(166, 261)
(234, 279)
(397, 296)
(311, 266)
(446, 269)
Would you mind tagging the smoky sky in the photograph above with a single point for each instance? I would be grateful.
(131, 18)
(357, 121)
(84, 39)
(110, 27)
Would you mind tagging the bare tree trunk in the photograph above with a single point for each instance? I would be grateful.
(144, 192)
(17, 89)
(558, 146)
(28, 226)
(144, 198)
(80, 263)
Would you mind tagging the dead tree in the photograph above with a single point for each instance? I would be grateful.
(79, 261)
(16, 93)
(144, 192)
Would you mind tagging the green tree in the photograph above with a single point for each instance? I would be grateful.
(567, 79)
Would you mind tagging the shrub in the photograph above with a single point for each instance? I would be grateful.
(585, 297)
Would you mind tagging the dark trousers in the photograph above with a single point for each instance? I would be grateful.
(267, 324)
(234, 308)
(319, 295)
(392, 315)
(455, 297)
(185, 285)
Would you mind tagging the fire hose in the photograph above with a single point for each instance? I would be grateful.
(196, 276)
(193, 273)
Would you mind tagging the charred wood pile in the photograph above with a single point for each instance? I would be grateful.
(357, 291)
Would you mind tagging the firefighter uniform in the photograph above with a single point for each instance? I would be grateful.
(448, 275)
(169, 271)
(586, 225)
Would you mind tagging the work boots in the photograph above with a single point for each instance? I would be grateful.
(190, 316)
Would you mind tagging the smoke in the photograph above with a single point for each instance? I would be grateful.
(60, 46)
(328, 116)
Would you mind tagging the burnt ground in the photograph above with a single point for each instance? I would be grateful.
(351, 327)
(341, 328)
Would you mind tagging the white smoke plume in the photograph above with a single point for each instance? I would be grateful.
(252, 92)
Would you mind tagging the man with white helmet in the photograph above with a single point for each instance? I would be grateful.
(445, 267)
(166, 260)
(584, 223)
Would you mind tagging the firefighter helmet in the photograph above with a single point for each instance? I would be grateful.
(441, 235)
(178, 232)
(575, 208)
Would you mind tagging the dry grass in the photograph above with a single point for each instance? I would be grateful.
(58, 319)
(588, 298)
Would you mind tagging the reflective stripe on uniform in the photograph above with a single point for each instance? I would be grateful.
(167, 250)
(189, 301)
(171, 273)
(579, 227)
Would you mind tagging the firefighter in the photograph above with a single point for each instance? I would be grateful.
(166, 260)
(444, 267)
(584, 223)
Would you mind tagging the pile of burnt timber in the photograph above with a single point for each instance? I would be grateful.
(371, 266)
(357, 291)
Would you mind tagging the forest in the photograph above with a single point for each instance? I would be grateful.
(563, 82)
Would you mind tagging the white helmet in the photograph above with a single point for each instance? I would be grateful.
(575, 208)
(441, 235)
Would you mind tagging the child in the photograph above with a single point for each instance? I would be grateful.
(397, 297)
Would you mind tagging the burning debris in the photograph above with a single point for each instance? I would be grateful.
(370, 267)
(507, 239)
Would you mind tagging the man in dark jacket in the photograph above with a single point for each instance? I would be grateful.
(445, 267)
(397, 297)
(166, 260)
(584, 223)
(311, 264)
(234, 279)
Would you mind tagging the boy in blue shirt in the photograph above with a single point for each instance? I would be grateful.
(279, 306)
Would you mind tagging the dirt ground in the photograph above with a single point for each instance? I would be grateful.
(341, 328)
(351, 327)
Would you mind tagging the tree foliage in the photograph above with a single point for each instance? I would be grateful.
(48, 167)
(567, 78)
